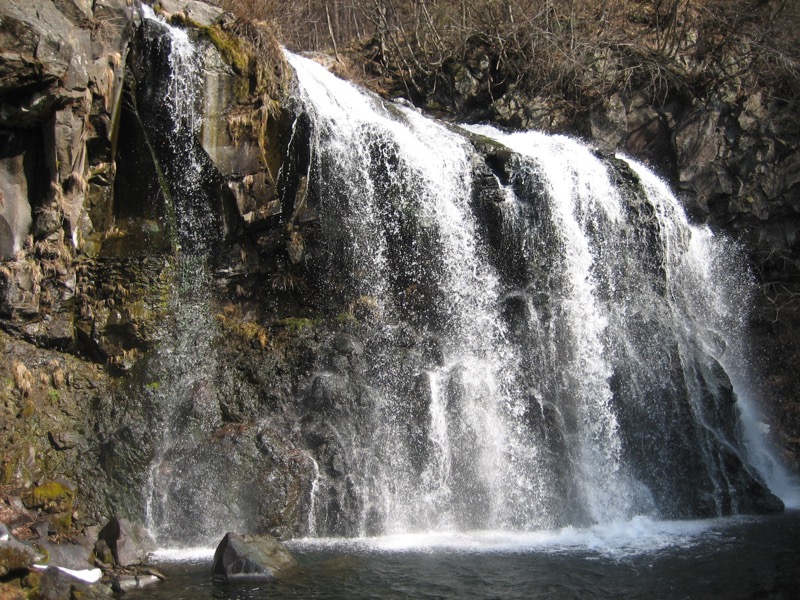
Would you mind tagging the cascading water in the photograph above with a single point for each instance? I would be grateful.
(549, 344)
(584, 206)
(396, 192)
(582, 336)
(179, 506)
(714, 293)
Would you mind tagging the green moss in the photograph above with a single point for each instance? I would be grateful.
(296, 324)
(249, 331)
(256, 57)
(152, 386)
(28, 409)
(51, 496)
(366, 308)
(53, 395)
(62, 523)
(232, 49)
(345, 317)
(237, 54)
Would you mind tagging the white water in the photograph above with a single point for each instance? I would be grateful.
(617, 540)
(195, 221)
(626, 319)
(640, 535)
(427, 185)
(719, 297)
(185, 554)
(583, 198)
(181, 499)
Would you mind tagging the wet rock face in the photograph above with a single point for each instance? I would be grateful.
(88, 264)
(735, 159)
(246, 558)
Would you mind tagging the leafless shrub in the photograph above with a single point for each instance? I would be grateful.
(577, 53)
(286, 281)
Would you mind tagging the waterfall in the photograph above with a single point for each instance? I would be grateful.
(170, 108)
(395, 191)
(182, 503)
(539, 337)
(589, 339)
(715, 292)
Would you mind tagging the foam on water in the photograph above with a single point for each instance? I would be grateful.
(640, 535)
(189, 554)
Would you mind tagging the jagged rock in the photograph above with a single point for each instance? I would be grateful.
(128, 543)
(15, 174)
(67, 440)
(246, 558)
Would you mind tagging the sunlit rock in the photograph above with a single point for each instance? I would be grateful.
(246, 558)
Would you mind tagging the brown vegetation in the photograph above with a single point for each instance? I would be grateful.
(575, 52)
(23, 378)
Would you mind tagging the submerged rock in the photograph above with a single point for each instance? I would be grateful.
(247, 558)
(126, 583)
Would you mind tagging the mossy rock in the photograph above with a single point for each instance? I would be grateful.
(52, 497)
(255, 56)
(295, 324)
(62, 522)
(13, 560)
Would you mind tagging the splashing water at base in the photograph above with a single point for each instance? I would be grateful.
(730, 559)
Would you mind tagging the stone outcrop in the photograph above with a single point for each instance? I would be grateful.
(246, 558)
(60, 78)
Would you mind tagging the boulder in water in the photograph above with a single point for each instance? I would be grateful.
(247, 558)
(127, 543)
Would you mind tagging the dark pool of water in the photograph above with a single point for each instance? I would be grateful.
(725, 559)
